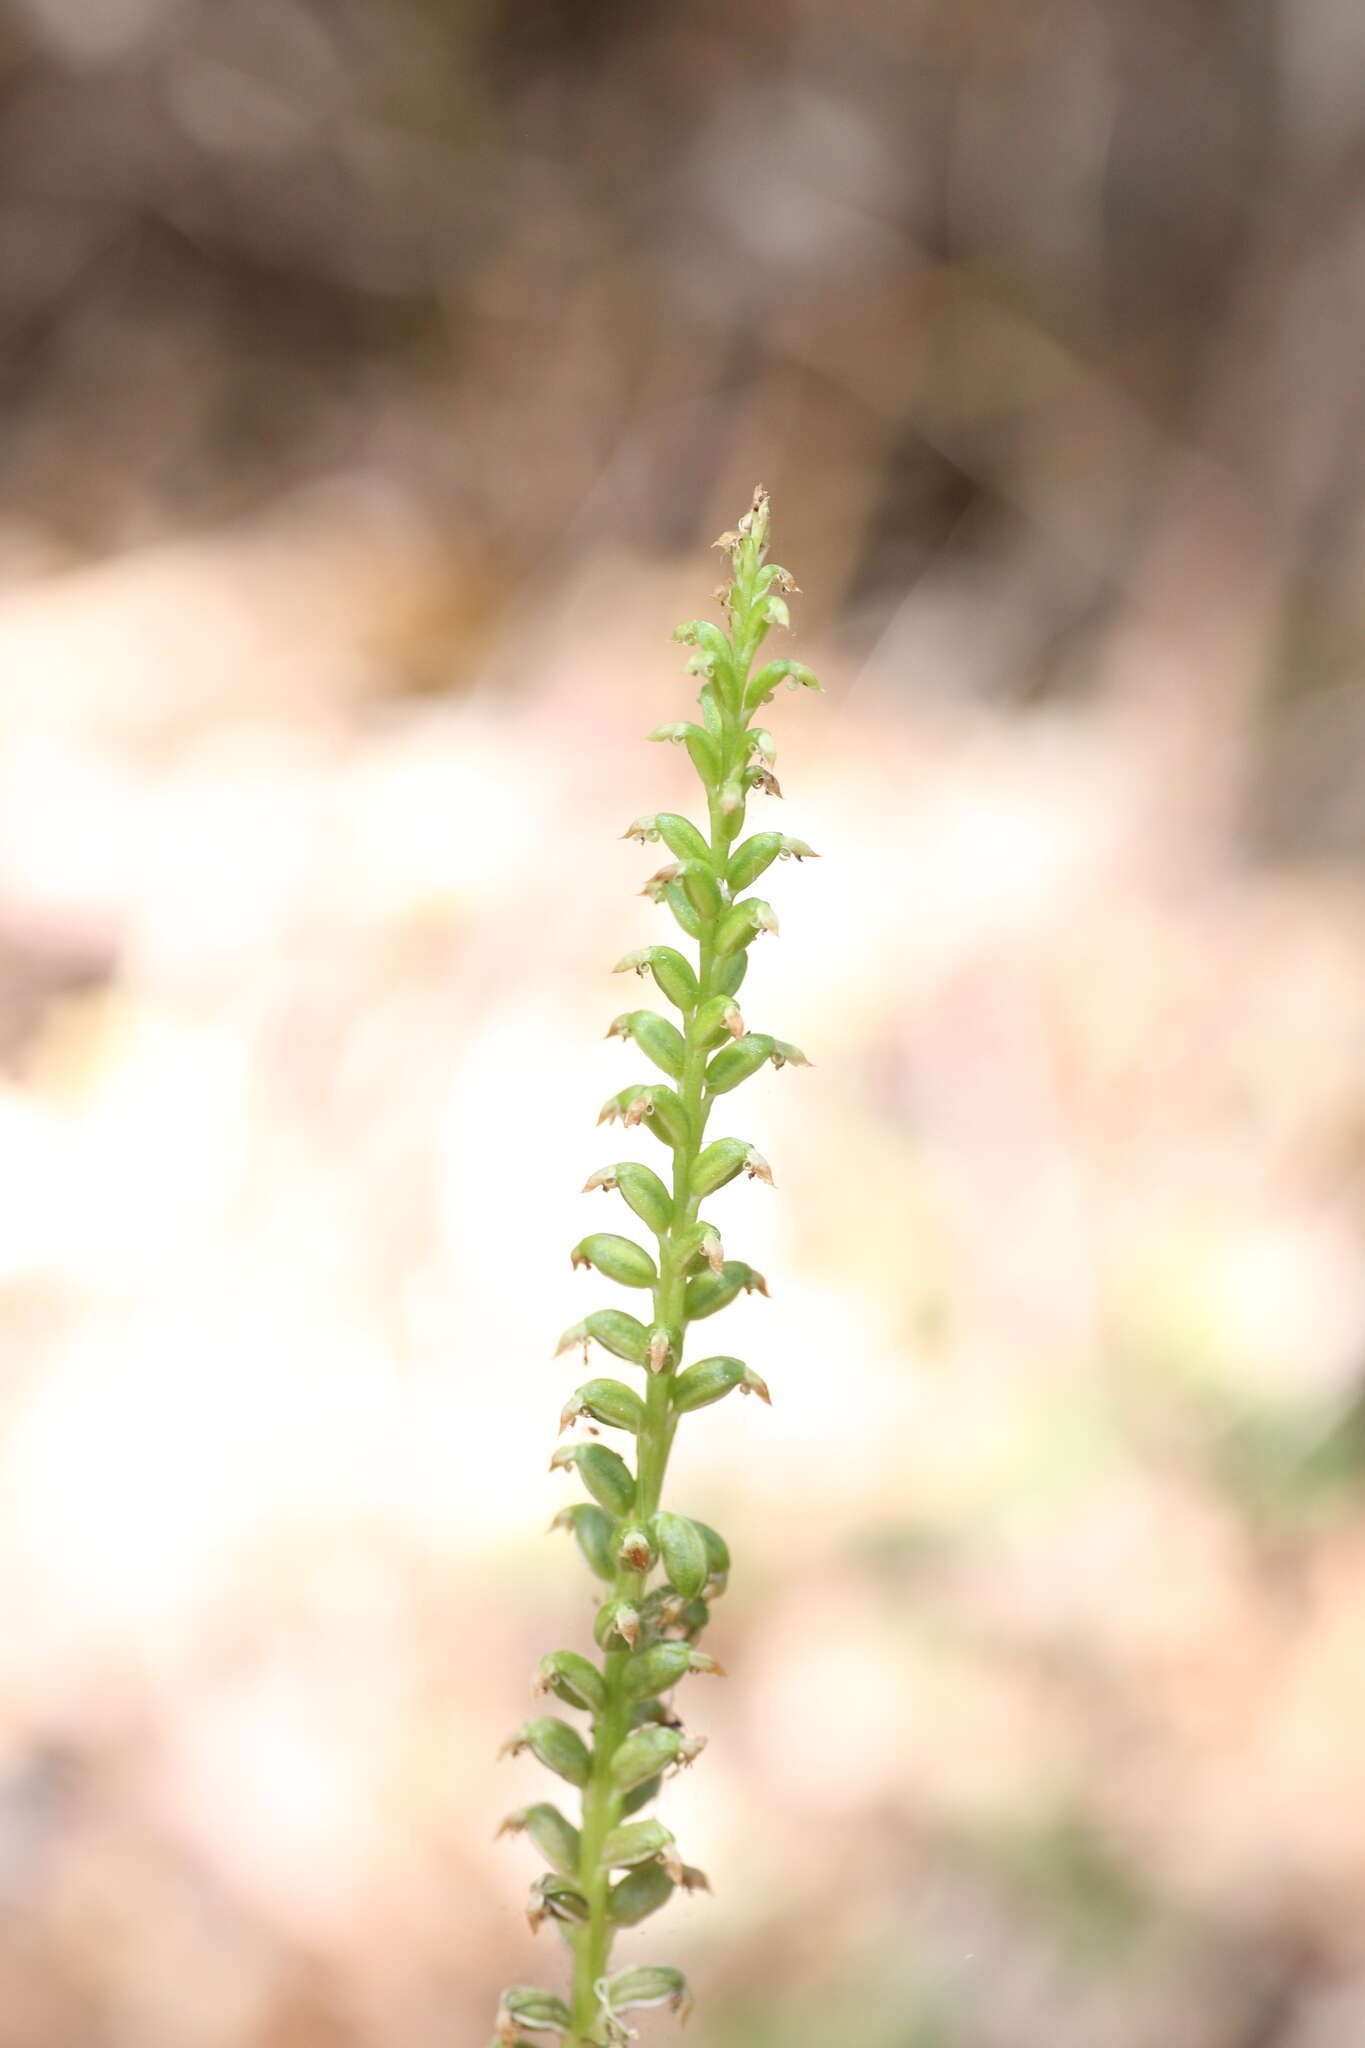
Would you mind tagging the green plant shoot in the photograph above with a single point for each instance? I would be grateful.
(659, 1570)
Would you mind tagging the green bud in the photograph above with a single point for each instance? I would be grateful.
(717, 1550)
(573, 1679)
(648, 1984)
(634, 1550)
(555, 1837)
(702, 889)
(659, 1040)
(722, 1160)
(523, 2005)
(714, 1167)
(556, 1745)
(616, 1258)
(621, 1334)
(700, 745)
(761, 742)
(654, 1105)
(710, 1379)
(705, 755)
(631, 1105)
(776, 612)
(633, 1802)
(557, 1898)
(712, 1291)
(639, 1893)
(643, 1755)
(683, 1551)
(714, 656)
(603, 1471)
(699, 1244)
(681, 837)
(717, 1019)
(667, 1118)
(673, 974)
(642, 1189)
(783, 578)
(734, 1063)
(659, 1668)
(713, 713)
(750, 858)
(680, 904)
(617, 1619)
(732, 800)
(639, 1841)
(606, 1401)
(742, 923)
(656, 1670)
(762, 684)
(592, 1528)
(731, 972)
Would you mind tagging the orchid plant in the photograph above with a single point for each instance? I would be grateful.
(659, 1569)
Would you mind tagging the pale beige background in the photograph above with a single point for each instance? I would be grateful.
(377, 378)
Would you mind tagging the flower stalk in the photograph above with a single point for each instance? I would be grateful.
(613, 1870)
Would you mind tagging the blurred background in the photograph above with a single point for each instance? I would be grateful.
(374, 375)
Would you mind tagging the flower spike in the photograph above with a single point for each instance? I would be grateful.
(658, 1570)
